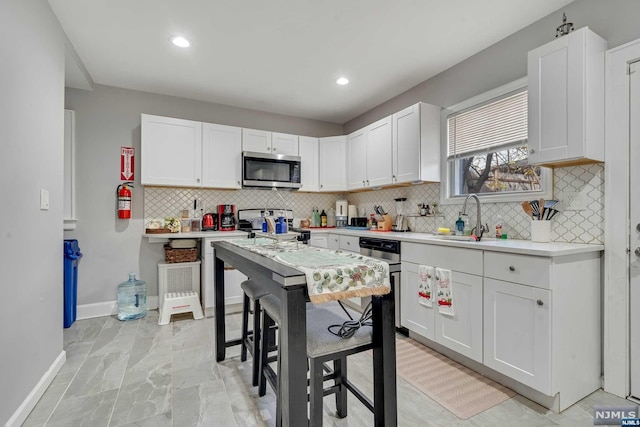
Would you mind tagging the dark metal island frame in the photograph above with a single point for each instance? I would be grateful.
(290, 286)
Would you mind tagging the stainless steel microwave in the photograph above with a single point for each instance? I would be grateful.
(263, 170)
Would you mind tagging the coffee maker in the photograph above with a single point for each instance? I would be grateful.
(341, 213)
(226, 217)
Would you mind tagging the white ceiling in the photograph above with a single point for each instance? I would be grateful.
(283, 56)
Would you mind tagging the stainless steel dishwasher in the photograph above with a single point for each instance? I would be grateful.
(386, 250)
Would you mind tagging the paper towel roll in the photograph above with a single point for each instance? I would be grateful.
(353, 212)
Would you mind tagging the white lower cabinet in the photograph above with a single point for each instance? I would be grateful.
(542, 322)
(517, 339)
(318, 240)
(533, 319)
(333, 241)
(461, 332)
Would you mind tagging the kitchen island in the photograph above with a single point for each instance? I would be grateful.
(290, 286)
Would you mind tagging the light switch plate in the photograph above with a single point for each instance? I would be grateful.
(44, 199)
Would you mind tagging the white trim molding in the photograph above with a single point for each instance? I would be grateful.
(616, 214)
(36, 393)
(108, 308)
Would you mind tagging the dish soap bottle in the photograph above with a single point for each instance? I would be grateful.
(499, 227)
(132, 299)
(459, 226)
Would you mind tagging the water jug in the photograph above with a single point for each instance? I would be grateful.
(132, 299)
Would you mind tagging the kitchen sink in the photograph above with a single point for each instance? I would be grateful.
(452, 237)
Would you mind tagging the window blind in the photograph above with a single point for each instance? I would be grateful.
(490, 127)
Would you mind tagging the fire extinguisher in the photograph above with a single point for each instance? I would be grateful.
(124, 200)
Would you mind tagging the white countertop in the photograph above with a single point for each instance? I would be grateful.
(525, 247)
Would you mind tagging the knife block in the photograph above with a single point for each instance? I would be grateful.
(386, 224)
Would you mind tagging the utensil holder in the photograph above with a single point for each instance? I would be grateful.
(540, 231)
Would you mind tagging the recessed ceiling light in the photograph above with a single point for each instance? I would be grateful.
(342, 81)
(180, 41)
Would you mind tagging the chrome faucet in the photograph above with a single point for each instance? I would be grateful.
(480, 229)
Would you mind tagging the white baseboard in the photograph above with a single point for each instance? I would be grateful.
(34, 396)
(108, 308)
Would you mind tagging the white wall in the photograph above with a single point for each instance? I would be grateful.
(31, 132)
(108, 118)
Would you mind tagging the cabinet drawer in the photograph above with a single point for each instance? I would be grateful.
(524, 269)
(350, 243)
(457, 259)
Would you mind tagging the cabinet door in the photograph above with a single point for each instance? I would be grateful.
(566, 99)
(333, 241)
(309, 168)
(171, 151)
(413, 315)
(517, 339)
(416, 144)
(221, 156)
(462, 332)
(284, 143)
(256, 140)
(350, 243)
(379, 153)
(333, 163)
(319, 241)
(406, 145)
(357, 159)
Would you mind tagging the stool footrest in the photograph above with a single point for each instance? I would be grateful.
(180, 302)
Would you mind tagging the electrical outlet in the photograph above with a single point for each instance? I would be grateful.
(44, 199)
(574, 201)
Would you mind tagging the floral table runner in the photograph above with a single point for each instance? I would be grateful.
(331, 275)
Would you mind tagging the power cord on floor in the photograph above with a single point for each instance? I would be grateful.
(350, 327)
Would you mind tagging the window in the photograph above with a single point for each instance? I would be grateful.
(486, 146)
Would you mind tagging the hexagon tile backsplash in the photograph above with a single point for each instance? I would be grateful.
(576, 226)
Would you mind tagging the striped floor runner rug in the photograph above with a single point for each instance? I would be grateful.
(460, 390)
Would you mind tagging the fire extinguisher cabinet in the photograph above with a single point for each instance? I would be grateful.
(72, 257)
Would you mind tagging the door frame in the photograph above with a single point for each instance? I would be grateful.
(616, 212)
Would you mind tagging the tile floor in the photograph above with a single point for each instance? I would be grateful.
(137, 373)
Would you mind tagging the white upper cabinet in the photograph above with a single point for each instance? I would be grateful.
(416, 144)
(333, 163)
(256, 140)
(310, 162)
(284, 143)
(379, 153)
(221, 156)
(370, 153)
(566, 100)
(171, 151)
(269, 142)
(357, 149)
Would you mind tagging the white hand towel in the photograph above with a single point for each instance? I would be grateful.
(445, 292)
(426, 284)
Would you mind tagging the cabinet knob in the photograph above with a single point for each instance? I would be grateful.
(197, 179)
(363, 184)
(238, 182)
(532, 151)
(512, 268)
(273, 149)
(367, 182)
(394, 177)
(321, 185)
(539, 302)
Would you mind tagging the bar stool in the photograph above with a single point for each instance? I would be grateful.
(250, 340)
(322, 347)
